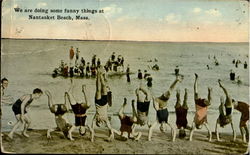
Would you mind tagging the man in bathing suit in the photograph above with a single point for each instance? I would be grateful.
(79, 109)
(127, 122)
(59, 110)
(244, 109)
(160, 105)
(225, 117)
(201, 106)
(20, 110)
(101, 103)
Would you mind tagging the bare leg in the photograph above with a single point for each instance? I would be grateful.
(184, 105)
(26, 125)
(18, 123)
(196, 96)
(209, 132)
(171, 88)
(111, 137)
(146, 92)
(150, 132)
(92, 129)
(217, 130)
(104, 90)
(98, 94)
(192, 132)
(209, 97)
(49, 131)
(135, 116)
(178, 99)
(243, 134)
(228, 102)
(70, 132)
(121, 111)
(50, 99)
(173, 131)
(234, 132)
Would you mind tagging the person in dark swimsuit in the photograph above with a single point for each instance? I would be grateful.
(20, 110)
(244, 108)
(101, 103)
(160, 105)
(201, 106)
(181, 113)
(127, 122)
(79, 109)
(225, 117)
(59, 110)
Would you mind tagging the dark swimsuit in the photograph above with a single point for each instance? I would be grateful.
(61, 109)
(103, 101)
(162, 115)
(80, 114)
(143, 106)
(17, 106)
(200, 102)
(181, 117)
(126, 124)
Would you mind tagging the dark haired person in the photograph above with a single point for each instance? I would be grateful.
(5, 99)
(19, 108)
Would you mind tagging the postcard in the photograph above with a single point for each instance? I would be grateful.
(125, 77)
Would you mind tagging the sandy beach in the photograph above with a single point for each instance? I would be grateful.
(160, 144)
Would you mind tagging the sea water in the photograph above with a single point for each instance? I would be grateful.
(28, 64)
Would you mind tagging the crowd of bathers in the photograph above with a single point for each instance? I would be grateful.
(80, 68)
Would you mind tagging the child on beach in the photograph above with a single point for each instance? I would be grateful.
(20, 110)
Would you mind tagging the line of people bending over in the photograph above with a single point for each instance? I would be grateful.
(83, 69)
(140, 111)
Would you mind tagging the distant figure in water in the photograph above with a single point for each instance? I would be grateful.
(146, 74)
(149, 80)
(233, 61)
(232, 75)
(155, 67)
(239, 81)
(139, 74)
(245, 65)
(208, 67)
(176, 70)
(127, 73)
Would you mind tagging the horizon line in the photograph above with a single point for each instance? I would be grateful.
(122, 40)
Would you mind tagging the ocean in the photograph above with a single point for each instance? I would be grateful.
(28, 64)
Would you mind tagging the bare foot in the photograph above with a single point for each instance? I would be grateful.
(25, 134)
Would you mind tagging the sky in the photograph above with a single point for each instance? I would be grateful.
(135, 20)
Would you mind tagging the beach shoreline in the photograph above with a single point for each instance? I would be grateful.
(161, 144)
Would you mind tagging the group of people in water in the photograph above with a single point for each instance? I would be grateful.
(140, 111)
(79, 67)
